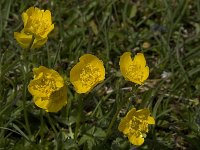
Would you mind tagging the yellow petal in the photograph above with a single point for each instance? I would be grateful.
(30, 11)
(136, 140)
(151, 120)
(79, 88)
(54, 103)
(126, 130)
(99, 64)
(87, 58)
(23, 39)
(24, 18)
(40, 69)
(145, 73)
(130, 114)
(122, 125)
(51, 28)
(75, 72)
(57, 100)
(41, 102)
(125, 62)
(135, 81)
(47, 16)
(35, 89)
(44, 36)
(39, 42)
(140, 60)
(34, 12)
(143, 113)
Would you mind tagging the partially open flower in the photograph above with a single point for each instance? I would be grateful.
(37, 25)
(48, 89)
(87, 73)
(135, 125)
(24, 40)
(134, 70)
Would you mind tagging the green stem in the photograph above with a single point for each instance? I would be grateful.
(25, 72)
(78, 120)
(119, 104)
(42, 125)
(24, 103)
(51, 124)
(113, 121)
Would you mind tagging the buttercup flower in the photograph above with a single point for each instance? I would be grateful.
(24, 40)
(134, 70)
(37, 25)
(48, 89)
(87, 73)
(135, 125)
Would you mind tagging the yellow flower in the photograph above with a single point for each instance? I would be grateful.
(48, 89)
(135, 125)
(24, 40)
(87, 73)
(134, 70)
(37, 25)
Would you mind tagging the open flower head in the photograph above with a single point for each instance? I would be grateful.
(134, 70)
(87, 73)
(135, 125)
(48, 89)
(37, 25)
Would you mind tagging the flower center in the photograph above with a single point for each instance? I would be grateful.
(89, 75)
(38, 25)
(135, 72)
(46, 84)
(138, 126)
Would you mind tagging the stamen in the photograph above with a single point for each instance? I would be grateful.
(90, 75)
(38, 25)
(45, 84)
(138, 126)
(135, 72)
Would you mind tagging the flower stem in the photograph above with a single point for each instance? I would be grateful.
(25, 72)
(42, 125)
(113, 121)
(78, 120)
(24, 103)
(120, 103)
(51, 124)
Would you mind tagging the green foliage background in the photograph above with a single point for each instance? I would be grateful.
(105, 28)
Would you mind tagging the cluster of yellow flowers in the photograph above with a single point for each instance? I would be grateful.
(49, 89)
